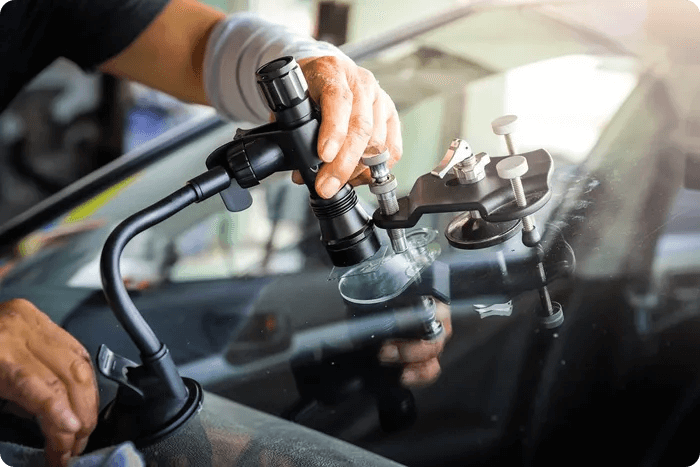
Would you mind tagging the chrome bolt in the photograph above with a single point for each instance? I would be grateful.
(384, 187)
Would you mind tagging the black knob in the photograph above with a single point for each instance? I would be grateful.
(282, 84)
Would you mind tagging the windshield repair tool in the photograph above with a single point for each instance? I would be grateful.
(153, 400)
(289, 143)
(513, 168)
(495, 201)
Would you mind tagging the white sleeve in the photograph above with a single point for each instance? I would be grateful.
(237, 47)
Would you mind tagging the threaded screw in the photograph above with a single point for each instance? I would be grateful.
(512, 168)
(384, 187)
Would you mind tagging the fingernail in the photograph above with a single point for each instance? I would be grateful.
(389, 353)
(329, 186)
(69, 421)
(329, 151)
(409, 377)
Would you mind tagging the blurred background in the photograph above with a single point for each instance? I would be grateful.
(609, 87)
(67, 123)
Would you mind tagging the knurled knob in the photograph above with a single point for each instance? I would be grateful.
(282, 83)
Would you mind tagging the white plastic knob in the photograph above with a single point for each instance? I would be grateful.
(505, 125)
(512, 167)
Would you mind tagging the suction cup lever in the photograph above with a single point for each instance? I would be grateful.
(458, 152)
(116, 368)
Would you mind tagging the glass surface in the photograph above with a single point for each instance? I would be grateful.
(244, 303)
(381, 279)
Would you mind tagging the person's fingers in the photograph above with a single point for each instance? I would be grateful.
(389, 352)
(444, 316)
(334, 174)
(416, 350)
(412, 351)
(363, 178)
(36, 389)
(74, 369)
(329, 87)
(380, 116)
(421, 374)
(58, 448)
(386, 135)
(296, 178)
(39, 391)
(48, 373)
(80, 444)
(336, 108)
(421, 350)
(394, 141)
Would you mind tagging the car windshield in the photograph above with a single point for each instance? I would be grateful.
(443, 89)
(249, 302)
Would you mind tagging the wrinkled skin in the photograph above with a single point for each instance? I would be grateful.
(359, 118)
(420, 358)
(48, 374)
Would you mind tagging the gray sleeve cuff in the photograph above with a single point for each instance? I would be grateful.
(238, 46)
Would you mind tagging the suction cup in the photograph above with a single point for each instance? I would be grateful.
(120, 422)
(469, 231)
(387, 276)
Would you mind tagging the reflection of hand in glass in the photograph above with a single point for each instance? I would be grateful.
(420, 358)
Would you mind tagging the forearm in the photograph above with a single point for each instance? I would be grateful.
(169, 54)
(197, 54)
(200, 55)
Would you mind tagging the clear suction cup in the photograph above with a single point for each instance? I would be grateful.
(387, 275)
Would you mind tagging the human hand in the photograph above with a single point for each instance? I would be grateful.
(47, 373)
(420, 358)
(357, 116)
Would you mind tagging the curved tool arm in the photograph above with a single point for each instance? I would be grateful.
(154, 353)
